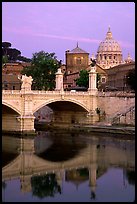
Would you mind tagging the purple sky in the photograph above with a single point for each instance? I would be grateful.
(57, 26)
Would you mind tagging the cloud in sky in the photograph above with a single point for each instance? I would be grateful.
(27, 31)
(62, 24)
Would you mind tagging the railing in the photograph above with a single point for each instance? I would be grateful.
(103, 94)
(116, 119)
(46, 92)
(116, 94)
(11, 91)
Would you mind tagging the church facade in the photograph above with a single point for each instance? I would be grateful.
(109, 64)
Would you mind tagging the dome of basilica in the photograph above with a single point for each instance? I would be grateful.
(109, 52)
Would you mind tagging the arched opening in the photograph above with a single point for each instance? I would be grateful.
(9, 119)
(43, 115)
(61, 113)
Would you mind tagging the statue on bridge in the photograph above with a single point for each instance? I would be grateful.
(26, 82)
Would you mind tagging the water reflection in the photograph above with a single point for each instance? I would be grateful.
(52, 166)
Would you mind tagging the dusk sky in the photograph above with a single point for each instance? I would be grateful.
(57, 26)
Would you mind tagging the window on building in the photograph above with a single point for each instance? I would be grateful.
(103, 79)
(78, 60)
(13, 87)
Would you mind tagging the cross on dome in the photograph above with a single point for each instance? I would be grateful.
(109, 34)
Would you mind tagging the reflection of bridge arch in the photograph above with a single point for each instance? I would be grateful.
(15, 162)
(29, 163)
(46, 103)
(11, 106)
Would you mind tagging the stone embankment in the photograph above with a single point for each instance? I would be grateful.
(104, 129)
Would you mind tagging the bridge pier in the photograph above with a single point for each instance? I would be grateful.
(93, 169)
(27, 124)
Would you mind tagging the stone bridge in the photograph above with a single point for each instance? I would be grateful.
(88, 107)
(68, 108)
(19, 108)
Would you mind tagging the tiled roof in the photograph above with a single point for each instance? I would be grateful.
(78, 50)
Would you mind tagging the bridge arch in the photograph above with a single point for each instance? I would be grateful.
(11, 106)
(57, 100)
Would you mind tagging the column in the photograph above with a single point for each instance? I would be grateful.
(59, 80)
(93, 81)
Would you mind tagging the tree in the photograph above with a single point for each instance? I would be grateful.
(45, 186)
(43, 68)
(4, 59)
(5, 47)
(98, 79)
(83, 80)
(130, 79)
(12, 54)
(23, 59)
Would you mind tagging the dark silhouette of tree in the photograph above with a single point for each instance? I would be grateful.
(12, 54)
(43, 68)
(23, 59)
(130, 176)
(44, 186)
(5, 47)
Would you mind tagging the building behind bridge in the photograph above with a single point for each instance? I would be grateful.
(110, 65)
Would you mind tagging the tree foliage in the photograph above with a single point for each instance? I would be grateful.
(130, 79)
(98, 79)
(12, 54)
(6, 44)
(43, 68)
(83, 80)
(44, 186)
(23, 59)
(4, 59)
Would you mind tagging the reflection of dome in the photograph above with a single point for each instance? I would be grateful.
(109, 52)
(77, 176)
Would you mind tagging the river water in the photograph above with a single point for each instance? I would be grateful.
(68, 167)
